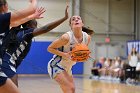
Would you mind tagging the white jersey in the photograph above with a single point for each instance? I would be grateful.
(133, 60)
(60, 62)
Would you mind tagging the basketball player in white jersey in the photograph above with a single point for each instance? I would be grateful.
(59, 67)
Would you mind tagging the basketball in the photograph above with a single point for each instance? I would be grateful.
(80, 53)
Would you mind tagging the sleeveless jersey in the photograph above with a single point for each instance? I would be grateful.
(60, 62)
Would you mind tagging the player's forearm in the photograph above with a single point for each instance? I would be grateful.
(22, 21)
(54, 51)
(49, 27)
(20, 14)
(54, 24)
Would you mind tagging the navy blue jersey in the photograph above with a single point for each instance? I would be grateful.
(4, 30)
(19, 49)
(4, 27)
(24, 37)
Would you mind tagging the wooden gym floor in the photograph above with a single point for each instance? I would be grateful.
(43, 84)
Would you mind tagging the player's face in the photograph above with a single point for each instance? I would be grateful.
(76, 22)
(133, 49)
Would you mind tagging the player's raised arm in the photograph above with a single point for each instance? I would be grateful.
(20, 14)
(51, 25)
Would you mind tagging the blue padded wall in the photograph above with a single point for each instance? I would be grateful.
(133, 44)
(37, 59)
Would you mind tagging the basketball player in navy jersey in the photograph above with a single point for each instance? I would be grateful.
(21, 39)
(7, 20)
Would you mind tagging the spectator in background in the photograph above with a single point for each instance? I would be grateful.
(122, 71)
(115, 69)
(105, 68)
(97, 67)
(133, 60)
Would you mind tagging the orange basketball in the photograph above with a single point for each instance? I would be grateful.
(80, 53)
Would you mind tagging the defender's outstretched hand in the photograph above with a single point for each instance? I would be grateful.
(66, 12)
(39, 12)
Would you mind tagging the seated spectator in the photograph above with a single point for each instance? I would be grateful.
(115, 69)
(97, 67)
(122, 71)
(105, 69)
(111, 69)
